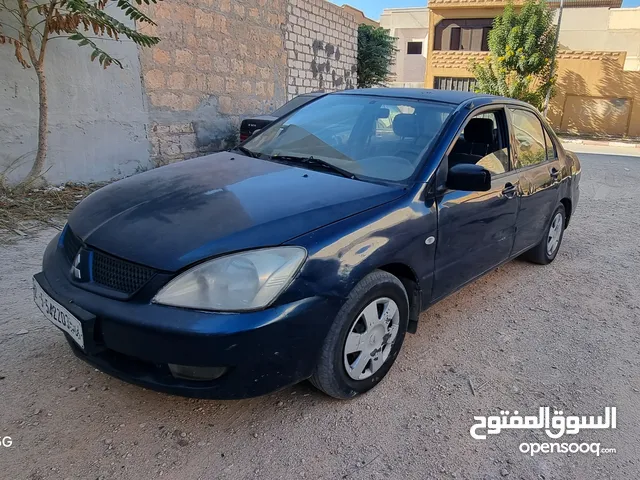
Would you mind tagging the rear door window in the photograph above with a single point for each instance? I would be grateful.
(530, 138)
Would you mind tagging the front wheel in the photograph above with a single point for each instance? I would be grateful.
(545, 252)
(365, 337)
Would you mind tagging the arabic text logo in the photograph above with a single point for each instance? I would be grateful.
(555, 426)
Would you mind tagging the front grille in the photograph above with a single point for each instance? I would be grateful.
(120, 275)
(108, 271)
(71, 244)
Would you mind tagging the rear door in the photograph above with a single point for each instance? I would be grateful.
(476, 230)
(536, 160)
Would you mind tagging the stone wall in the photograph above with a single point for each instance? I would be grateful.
(321, 44)
(359, 16)
(217, 62)
(222, 60)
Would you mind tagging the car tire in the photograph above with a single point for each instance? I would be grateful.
(376, 342)
(547, 250)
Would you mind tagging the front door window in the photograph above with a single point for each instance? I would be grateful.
(483, 142)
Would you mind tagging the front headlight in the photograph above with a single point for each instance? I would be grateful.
(239, 282)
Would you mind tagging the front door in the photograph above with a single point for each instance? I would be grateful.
(476, 230)
(537, 161)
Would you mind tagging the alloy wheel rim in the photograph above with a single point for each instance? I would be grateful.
(555, 232)
(370, 339)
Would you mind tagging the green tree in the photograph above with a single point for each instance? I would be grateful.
(522, 53)
(29, 25)
(376, 55)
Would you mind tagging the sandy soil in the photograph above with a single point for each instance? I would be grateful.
(526, 336)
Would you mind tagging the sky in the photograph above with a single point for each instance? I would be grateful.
(373, 8)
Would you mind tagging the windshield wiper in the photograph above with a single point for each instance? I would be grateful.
(316, 162)
(247, 152)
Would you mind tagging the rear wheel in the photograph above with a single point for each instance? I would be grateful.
(365, 337)
(547, 250)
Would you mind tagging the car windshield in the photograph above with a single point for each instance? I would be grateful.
(291, 105)
(363, 136)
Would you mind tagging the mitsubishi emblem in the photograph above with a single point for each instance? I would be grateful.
(75, 268)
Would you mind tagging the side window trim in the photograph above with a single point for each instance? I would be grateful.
(516, 149)
(549, 138)
(504, 127)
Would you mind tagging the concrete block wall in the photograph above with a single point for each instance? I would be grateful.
(322, 47)
(218, 61)
(97, 117)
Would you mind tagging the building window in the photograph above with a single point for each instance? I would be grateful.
(485, 39)
(469, 34)
(455, 39)
(414, 48)
(454, 83)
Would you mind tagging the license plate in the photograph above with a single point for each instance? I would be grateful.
(57, 314)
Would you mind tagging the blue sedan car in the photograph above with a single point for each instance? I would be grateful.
(310, 250)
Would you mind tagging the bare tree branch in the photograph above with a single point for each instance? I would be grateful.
(104, 39)
(22, 4)
(45, 33)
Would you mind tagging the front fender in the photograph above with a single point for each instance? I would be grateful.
(342, 254)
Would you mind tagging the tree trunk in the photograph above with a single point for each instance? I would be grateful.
(37, 60)
(43, 133)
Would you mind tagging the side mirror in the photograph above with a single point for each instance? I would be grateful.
(469, 178)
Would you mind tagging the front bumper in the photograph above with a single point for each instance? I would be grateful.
(135, 340)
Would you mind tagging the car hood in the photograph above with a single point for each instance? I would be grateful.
(174, 216)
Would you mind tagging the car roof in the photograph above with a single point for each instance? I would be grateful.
(447, 96)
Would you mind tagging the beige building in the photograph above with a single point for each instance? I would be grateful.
(598, 87)
(411, 27)
(595, 95)
(603, 29)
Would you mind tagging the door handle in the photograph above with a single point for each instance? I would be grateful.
(510, 190)
(554, 172)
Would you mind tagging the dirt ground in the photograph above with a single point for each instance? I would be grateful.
(525, 336)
